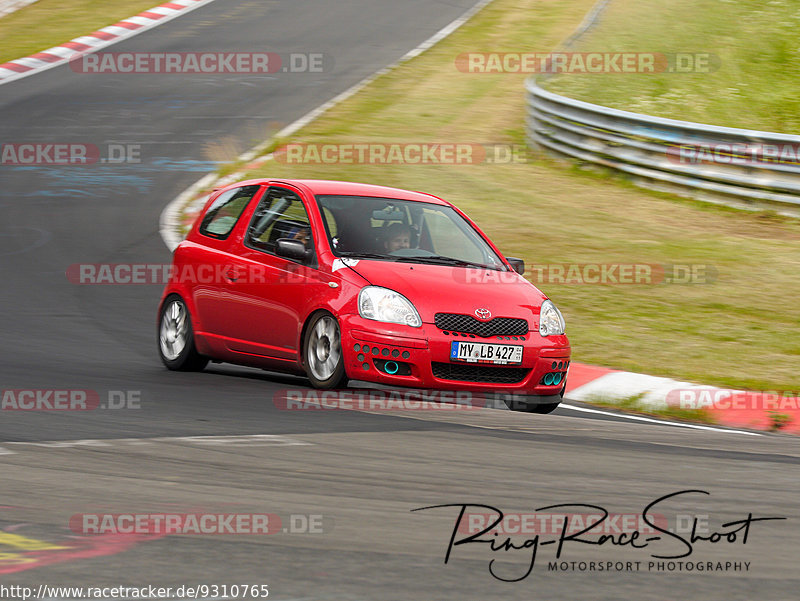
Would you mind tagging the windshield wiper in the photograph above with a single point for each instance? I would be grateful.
(440, 260)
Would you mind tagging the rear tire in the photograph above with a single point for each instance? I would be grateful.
(176, 337)
(322, 352)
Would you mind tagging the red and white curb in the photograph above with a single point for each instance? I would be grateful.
(733, 408)
(58, 55)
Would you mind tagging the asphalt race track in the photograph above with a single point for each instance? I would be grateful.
(215, 442)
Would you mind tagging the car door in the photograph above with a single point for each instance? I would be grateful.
(267, 296)
(205, 264)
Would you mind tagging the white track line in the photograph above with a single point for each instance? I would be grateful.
(206, 442)
(639, 418)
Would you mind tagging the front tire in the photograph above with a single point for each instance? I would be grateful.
(322, 352)
(548, 408)
(176, 337)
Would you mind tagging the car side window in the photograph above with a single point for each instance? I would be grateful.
(279, 215)
(222, 215)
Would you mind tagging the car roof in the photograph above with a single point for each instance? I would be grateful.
(322, 186)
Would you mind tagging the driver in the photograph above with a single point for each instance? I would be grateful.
(303, 234)
(397, 236)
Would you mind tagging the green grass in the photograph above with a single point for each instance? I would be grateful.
(779, 421)
(739, 331)
(756, 86)
(48, 23)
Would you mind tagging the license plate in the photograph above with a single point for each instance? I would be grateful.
(479, 352)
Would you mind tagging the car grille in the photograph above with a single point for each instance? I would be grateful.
(478, 373)
(499, 326)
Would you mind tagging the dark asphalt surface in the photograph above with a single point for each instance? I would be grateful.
(56, 334)
(362, 472)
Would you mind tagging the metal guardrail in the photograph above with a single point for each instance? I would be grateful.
(738, 167)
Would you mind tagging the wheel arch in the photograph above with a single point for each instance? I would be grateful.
(304, 330)
(309, 318)
(191, 357)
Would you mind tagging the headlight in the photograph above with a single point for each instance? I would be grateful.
(382, 304)
(550, 320)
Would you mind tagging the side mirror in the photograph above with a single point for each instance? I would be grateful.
(517, 264)
(292, 249)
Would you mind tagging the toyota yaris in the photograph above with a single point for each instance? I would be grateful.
(342, 281)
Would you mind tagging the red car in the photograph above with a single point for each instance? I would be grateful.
(343, 281)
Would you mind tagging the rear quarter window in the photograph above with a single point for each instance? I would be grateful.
(224, 212)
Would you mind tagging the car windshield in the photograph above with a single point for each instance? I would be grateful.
(400, 230)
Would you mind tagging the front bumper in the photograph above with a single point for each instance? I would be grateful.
(372, 349)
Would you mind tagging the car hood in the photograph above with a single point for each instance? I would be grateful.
(444, 289)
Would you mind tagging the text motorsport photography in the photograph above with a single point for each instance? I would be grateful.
(666, 544)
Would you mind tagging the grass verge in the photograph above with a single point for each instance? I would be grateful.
(736, 331)
(754, 43)
(48, 23)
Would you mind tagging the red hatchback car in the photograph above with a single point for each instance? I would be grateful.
(343, 281)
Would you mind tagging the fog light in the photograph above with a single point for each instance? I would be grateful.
(393, 368)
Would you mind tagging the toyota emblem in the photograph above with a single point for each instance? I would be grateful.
(483, 314)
